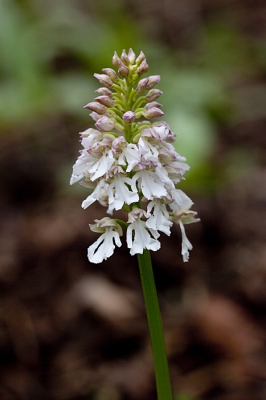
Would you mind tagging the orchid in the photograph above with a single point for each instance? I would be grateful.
(130, 165)
(128, 161)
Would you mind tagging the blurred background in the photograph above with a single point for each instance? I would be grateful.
(71, 330)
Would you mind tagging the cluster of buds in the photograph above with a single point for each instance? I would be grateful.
(129, 163)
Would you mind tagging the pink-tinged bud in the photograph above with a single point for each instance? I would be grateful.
(123, 70)
(103, 91)
(124, 57)
(153, 80)
(104, 80)
(111, 73)
(131, 56)
(153, 112)
(143, 68)
(97, 107)
(129, 117)
(153, 94)
(140, 58)
(115, 60)
(105, 124)
(105, 100)
(142, 85)
(152, 104)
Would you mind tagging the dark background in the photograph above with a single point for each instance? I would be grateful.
(71, 330)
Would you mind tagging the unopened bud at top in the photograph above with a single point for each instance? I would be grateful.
(123, 70)
(115, 59)
(111, 73)
(143, 68)
(140, 58)
(124, 57)
(104, 80)
(131, 56)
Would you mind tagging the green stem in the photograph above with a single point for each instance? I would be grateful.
(163, 385)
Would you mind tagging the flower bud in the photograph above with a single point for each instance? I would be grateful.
(111, 73)
(124, 57)
(97, 107)
(142, 85)
(103, 91)
(131, 56)
(104, 80)
(143, 68)
(140, 58)
(152, 104)
(153, 112)
(115, 60)
(105, 124)
(153, 94)
(153, 80)
(105, 100)
(123, 70)
(129, 117)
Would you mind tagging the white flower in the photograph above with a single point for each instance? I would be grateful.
(119, 193)
(183, 215)
(132, 156)
(90, 137)
(104, 245)
(102, 165)
(142, 238)
(127, 153)
(80, 166)
(159, 220)
(97, 194)
(148, 151)
(150, 184)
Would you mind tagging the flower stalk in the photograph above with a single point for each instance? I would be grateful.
(163, 385)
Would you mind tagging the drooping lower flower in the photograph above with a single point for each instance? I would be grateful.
(104, 245)
(128, 163)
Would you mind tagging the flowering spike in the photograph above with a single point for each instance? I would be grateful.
(129, 163)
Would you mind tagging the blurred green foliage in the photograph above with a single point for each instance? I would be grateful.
(49, 51)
